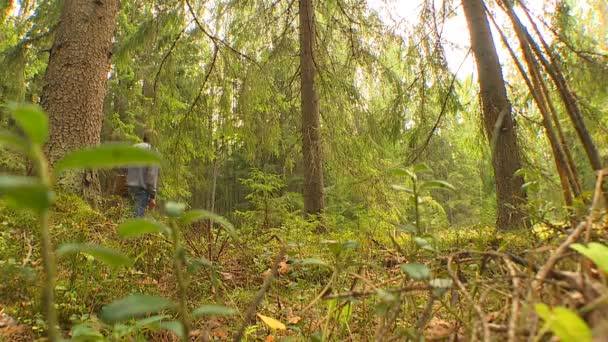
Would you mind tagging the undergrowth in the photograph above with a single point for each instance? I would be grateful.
(345, 258)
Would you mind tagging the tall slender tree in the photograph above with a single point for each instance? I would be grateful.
(498, 122)
(75, 81)
(311, 135)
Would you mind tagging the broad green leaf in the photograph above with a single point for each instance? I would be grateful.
(597, 252)
(437, 184)
(422, 167)
(564, 323)
(272, 323)
(400, 172)
(107, 255)
(106, 157)
(416, 271)
(423, 243)
(201, 214)
(173, 326)
(402, 188)
(386, 296)
(408, 228)
(13, 141)
(217, 310)
(441, 283)
(86, 332)
(175, 209)
(32, 120)
(25, 192)
(133, 306)
(151, 320)
(138, 227)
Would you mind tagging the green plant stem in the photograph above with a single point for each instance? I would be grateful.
(48, 262)
(178, 262)
(48, 259)
(416, 209)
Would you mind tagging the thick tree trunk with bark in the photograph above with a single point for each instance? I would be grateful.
(311, 135)
(497, 119)
(564, 165)
(75, 82)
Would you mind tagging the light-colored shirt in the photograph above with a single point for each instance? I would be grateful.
(145, 177)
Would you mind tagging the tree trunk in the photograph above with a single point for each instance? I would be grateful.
(497, 119)
(563, 162)
(554, 70)
(311, 135)
(75, 83)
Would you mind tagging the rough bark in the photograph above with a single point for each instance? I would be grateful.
(497, 118)
(311, 135)
(537, 87)
(75, 83)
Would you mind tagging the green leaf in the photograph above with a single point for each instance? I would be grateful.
(423, 243)
(13, 141)
(86, 331)
(408, 228)
(173, 326)
(402, 188)
(422, 167)
(597, 252)
(138, 227)
(441, 283)
(26, 192)
(564, 323)
(416, 271)
(151, 320)
(107, 255)
(400, 172)
(32, 120)
(133, 306)
(106, 157)
(217, 310)
(437, 184)
(175, 209)
(201, 214)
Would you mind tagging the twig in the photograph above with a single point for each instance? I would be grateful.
(322, 293)
(548, 266)
(166, 56)
(356, 294)
(28, 255)
(515, 304)
(478, 310)
(426, 314)
(249, 314)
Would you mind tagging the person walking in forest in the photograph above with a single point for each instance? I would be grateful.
(142, 181)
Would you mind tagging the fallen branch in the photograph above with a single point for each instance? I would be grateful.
(250, 313)
(357, 294)
(573, 237)
(484, 325)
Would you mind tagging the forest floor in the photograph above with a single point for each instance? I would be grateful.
(346, 284)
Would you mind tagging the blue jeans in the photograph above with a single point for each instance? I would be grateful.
(140, 197)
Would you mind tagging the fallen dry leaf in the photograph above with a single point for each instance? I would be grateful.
(272, 323)
(269, 338)
(438, 329)
(294, 320)
(220, 333)
(283, 267)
